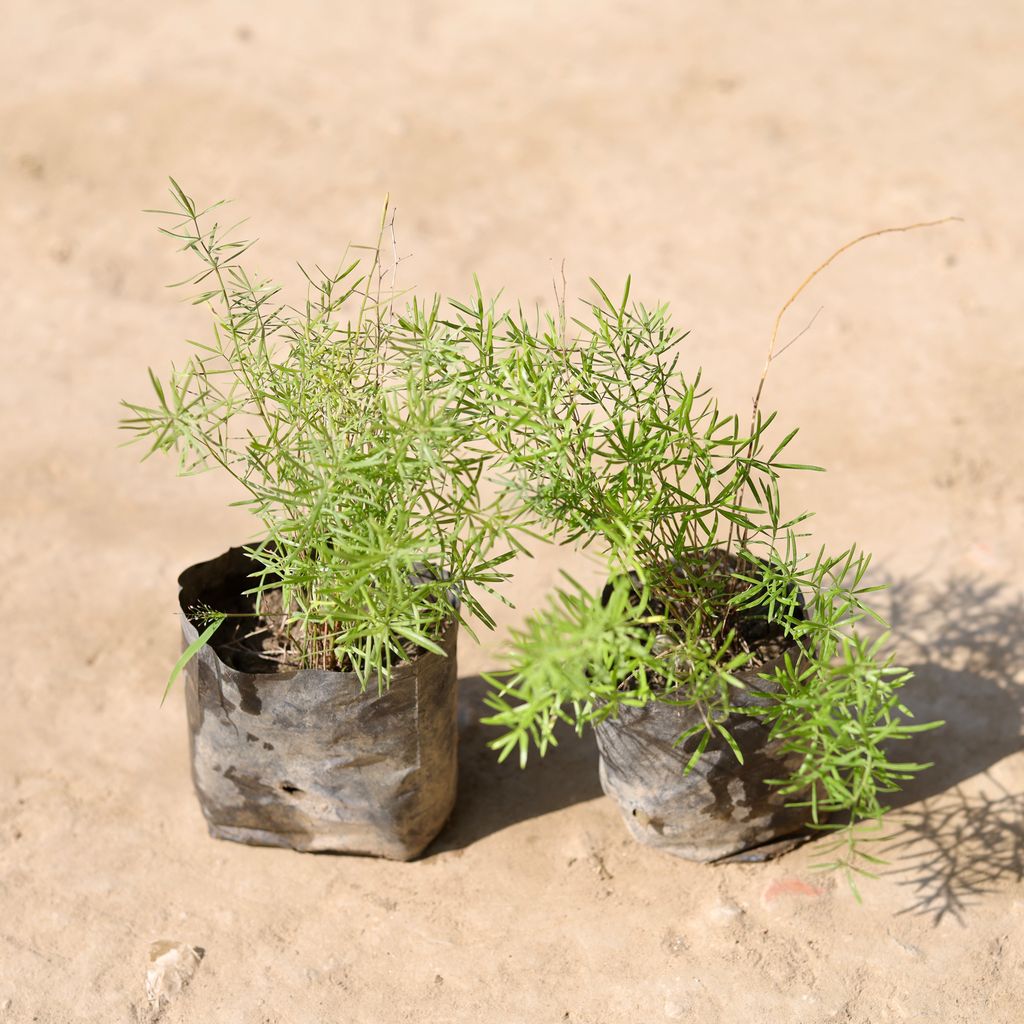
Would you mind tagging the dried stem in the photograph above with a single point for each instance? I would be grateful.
(772, 354)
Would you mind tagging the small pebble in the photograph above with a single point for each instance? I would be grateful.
(675, 1010)
(789, 887)
(171, 966)
(725, 912)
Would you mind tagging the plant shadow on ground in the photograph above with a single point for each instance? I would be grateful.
(493, 796)
(949, 842)
(954, 840)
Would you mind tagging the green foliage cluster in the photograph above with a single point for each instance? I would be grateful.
(343, 433)
(612, 448)
(364, 439)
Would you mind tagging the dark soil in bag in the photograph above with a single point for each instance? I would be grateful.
(304, 758)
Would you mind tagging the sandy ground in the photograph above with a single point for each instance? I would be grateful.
(715, 151)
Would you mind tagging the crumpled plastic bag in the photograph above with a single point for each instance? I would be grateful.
(306, 759)
(721, 808)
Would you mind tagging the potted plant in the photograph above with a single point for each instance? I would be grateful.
(320, 657)
(736, 700)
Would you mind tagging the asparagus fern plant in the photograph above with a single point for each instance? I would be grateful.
(614, 449)
(345, 438)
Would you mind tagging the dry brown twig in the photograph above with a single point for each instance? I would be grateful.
(772, 354)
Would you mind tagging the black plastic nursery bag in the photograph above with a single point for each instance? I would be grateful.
(305, 758)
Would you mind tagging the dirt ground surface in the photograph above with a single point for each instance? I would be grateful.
(717, 152)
